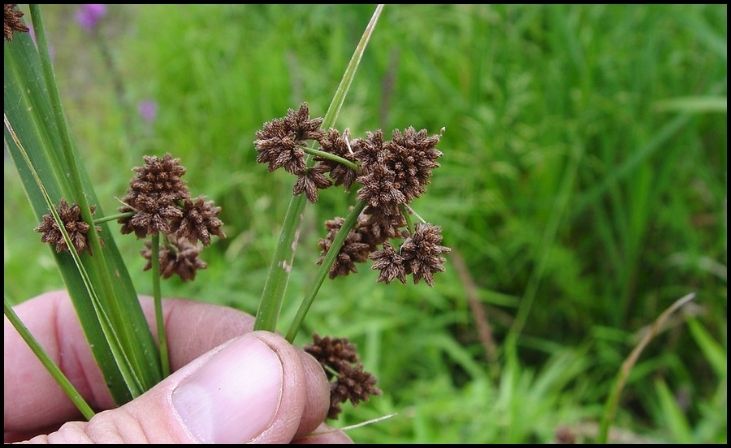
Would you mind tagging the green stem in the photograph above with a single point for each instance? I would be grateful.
(108, 294)
(349, 223)
(333, 157)
(113, 217)
(276, 282)
(52, 368)
(128, 374)
(409, 221)
(157, 297)
(344, 86)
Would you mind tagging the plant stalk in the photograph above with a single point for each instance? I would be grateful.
(52, 368)
(275, 286)
(113, 217)
(327, 263)
(409, 221)
(157, 297)
(326, 155)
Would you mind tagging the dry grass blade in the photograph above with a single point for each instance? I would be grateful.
(484, 329)
(613, 400)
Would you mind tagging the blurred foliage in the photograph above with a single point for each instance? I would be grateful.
(583, 180)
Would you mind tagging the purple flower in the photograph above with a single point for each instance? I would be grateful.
(147, 110)
(89, 15)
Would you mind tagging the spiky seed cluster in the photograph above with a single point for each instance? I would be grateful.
(411, 157)
(355, 249)
(395, 172)
(153, 195)
(159, 201)
(313, 179)
(74, 224)
(391, 173)
(390, 263)
(422, 253)
(12, 21)
(199, 221)
(348, 379)
(279, 142)
(177, 256)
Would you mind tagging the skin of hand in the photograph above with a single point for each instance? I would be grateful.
(230, 384)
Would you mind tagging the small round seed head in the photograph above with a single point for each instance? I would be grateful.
(390, 263)
(348, 379)
(198, 221)
(153, 195)
(279, 142)
(301, 125)
(159, 180)
(332, 352)
(149, 217)
(178, 256)
(422, 253)
(380, 189)
(412, 156)
(280, 151)
(74, 224)
(370, 150)
(313, 179)
(353, 384)
(355, 249)
(12, 21)
(380, 224)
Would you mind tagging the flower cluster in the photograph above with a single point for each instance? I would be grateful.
(178, 256)
(74, 224)
(391, 174)
(12, 21)
(348, 379)
(158, 201)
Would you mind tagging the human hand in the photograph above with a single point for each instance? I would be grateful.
(226, 388)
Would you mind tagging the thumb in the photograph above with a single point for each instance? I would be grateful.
(255, 388)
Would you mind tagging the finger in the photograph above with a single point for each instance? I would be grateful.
(251, 389)
(317, 401)
(324, 435)
(32, 399)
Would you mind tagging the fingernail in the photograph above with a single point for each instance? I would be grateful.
(234, 396)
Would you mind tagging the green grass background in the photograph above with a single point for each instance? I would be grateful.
(583, 181)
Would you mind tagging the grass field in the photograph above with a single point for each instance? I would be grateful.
(583, 183)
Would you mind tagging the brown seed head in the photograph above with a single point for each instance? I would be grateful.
(198, 221)
(153, 195)
(348, 379)
(279, 142)
(355, 249)
(12, 21)
(74, 224)
(332, 352)
(313, 179)
(380, 189)
(412, 156)
(422, 253)
(370, 150)
(178, 256)
(390, 263)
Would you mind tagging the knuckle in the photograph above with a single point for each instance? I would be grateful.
(71, 432)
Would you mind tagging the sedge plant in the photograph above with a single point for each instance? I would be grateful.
(175, 226)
